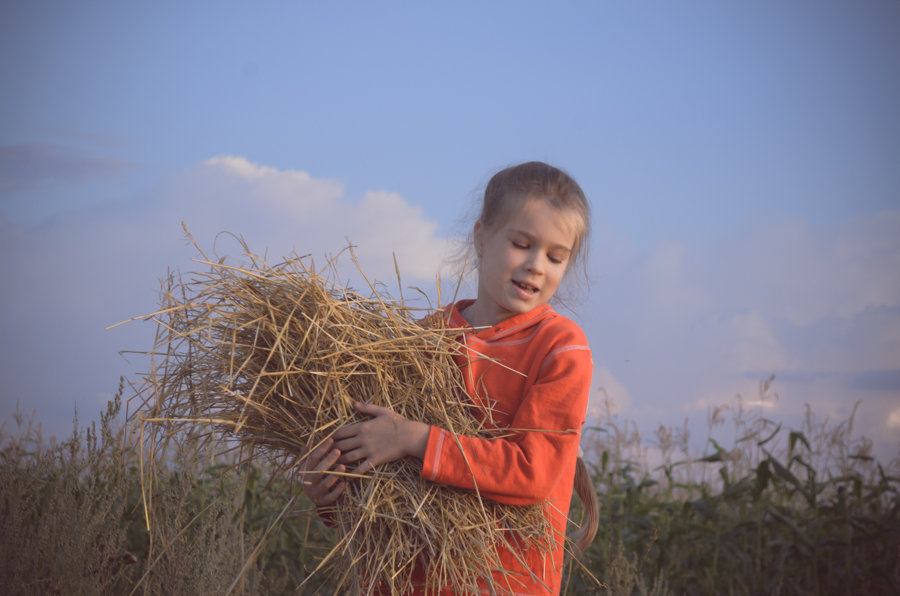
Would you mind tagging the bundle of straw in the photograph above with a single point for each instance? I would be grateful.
(275, 357)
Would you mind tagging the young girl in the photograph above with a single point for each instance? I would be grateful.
(532, 230)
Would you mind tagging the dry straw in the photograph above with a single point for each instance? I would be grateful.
(275, 356)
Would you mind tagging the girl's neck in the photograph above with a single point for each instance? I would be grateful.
(475, 316)
(478, 319)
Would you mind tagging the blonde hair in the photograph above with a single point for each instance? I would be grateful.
(584, 488)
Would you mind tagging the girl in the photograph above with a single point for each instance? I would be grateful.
(531, 231)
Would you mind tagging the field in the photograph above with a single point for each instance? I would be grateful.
(781, 511)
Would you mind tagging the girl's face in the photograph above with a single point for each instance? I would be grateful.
(523, 261)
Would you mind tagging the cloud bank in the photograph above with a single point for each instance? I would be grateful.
(675, 330)
(688, 325)
(81, 271)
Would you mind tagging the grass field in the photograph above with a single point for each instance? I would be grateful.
(781, 511)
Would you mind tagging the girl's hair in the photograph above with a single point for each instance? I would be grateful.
(584, 488)
(513, 187)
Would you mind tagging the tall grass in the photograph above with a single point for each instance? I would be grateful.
(781, 511)
(64, 511)
(778, 511)
(82, 517)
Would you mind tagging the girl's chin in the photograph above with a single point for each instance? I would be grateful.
(520, 305)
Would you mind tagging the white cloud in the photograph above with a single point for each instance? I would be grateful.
(739, 393)
(687, 326)
(893, 420)
(385, 219)
(289, 211)
(608, 395)
(786, 268)
(754, 345)
(291, 193)
(670, 290)
(245, 168)
(71, 277)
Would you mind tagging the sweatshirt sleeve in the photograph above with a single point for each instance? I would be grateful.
(525, 466)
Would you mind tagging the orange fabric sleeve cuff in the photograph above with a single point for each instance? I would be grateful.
(431, 461)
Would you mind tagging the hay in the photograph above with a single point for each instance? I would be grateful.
(275, 356)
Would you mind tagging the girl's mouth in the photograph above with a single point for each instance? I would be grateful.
(526, 287)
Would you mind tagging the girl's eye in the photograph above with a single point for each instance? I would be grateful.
(519, 244)
(555, 260)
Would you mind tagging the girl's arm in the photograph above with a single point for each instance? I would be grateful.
(544, 418)
(521, 469)
(525, 467)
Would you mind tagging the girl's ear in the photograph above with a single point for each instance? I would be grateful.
(478, 238)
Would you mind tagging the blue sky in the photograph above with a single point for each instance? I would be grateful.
(741, 158)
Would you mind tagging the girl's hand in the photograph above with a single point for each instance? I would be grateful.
(323, 489)
(386, 437)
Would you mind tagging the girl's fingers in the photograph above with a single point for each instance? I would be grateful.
(334, 479)
(328, 460)
(323, 448)
(310, 459)
(363, 408)
(364, 467)
(320, 485)
(346, 432)
(352, 455)
(332, 496)
(335, 482)
(350, 439)
(370, 409)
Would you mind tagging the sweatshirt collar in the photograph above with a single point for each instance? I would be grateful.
(517, 321)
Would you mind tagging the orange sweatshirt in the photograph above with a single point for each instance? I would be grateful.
(546, 391)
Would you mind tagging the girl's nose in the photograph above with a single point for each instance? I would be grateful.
(534, 263)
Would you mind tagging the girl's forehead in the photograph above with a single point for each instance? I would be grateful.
(541, 211)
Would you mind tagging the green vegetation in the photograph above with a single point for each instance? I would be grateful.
(802, 511)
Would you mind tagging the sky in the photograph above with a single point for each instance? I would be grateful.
(742, 161)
